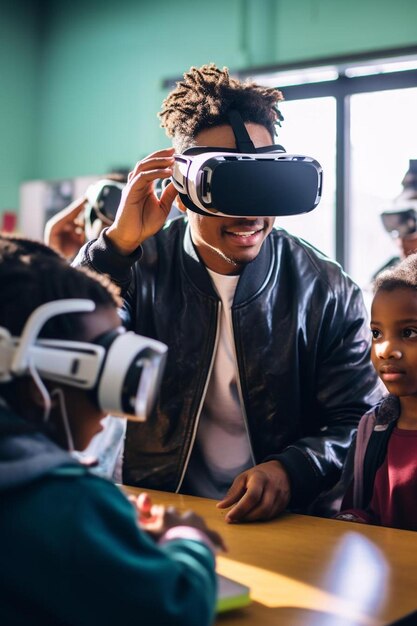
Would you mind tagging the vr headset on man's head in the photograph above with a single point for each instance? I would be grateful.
(248, 181)
(121, 370)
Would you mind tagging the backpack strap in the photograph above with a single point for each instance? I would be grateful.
(386, 419)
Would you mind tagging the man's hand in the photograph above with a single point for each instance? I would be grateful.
(260, 493)
(64, 232)
(141, 213)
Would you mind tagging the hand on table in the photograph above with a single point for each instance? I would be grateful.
(156, 519)
(64, 232)
(141, 213)
(257, 494)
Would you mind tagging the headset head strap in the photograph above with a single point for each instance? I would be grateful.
(243, 141)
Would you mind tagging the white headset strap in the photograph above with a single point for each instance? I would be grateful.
(35, 323)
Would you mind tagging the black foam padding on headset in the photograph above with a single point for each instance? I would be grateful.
(195, 209)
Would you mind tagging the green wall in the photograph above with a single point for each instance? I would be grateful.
(19, 97)
(84, 80)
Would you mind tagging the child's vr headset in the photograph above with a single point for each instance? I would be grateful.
(401, 222)
(246, 182)
(121, 370)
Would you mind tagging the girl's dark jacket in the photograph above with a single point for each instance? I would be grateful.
(302, 348)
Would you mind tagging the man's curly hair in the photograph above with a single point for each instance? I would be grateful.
(203, 99)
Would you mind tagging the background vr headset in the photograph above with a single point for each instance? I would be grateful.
(402, 220)
(103, 199)
(121, 370)
(248, 181)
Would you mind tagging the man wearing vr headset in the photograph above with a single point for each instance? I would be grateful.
(71, 548)
(268, 370)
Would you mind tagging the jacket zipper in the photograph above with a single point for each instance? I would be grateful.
(203, 397)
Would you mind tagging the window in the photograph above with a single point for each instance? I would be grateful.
(383, 140)
(309, 128)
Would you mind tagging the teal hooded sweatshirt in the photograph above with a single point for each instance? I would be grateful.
(71, 552)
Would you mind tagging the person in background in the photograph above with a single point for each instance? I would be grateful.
(84, 219)
(86, 216)
(73, 548)
(401, 220)
(381, 466)
(268, 370)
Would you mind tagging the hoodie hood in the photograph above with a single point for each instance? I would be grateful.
(25, 454)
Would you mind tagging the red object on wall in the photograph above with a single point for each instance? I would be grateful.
(8, 222)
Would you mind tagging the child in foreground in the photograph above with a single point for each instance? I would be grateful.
(72, 551)
(384, 458)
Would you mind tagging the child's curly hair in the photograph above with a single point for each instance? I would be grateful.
(32, 274)
(401, 276)
(204, 97)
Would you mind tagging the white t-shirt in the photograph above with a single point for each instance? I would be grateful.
(221, 449)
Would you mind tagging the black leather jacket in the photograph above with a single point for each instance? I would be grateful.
(302, 348)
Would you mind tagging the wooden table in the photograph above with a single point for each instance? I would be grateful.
(307, 571)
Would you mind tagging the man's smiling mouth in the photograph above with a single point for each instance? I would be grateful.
(243, 233)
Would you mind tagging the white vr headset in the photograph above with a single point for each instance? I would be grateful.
(122, 370)
(246, 182)
(103, 198)
(227, 184)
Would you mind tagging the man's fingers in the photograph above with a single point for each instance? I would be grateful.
(267, 494)
(249, 501)
(156, 160)
(167, 198)
(270, 505)
(160, 153)
(142, 179)
(234, 494)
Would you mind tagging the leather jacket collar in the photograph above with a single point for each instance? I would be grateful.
(254, 277)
